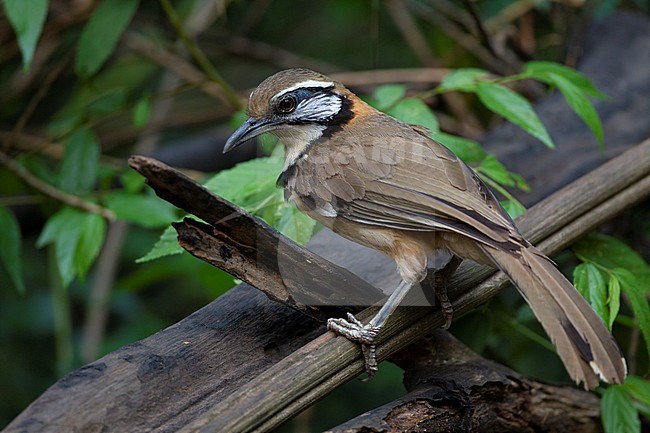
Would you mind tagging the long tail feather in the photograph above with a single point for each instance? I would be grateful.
(587, 349)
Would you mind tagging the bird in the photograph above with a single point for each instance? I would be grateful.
(389, 186)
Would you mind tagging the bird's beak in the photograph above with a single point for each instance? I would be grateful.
(251, 128)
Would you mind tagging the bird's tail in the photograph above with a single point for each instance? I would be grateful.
(587, 349)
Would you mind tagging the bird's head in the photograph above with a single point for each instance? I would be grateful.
(298, 106)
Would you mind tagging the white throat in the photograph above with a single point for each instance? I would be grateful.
(296, 139)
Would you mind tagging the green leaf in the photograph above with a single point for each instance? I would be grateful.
(167, 245)
(237, 119)
(590, 282)
(630, 285)
(611, 253)
(468, 150)
(387, 95)
(414, 111)
(10, 245)
(514, 108)
(513, 208)
(464, 80)
(491, 166)
(101, 33)
(144, 210)
(638, 388)
(105, 103)
(578, 101)
(26, 18)
(580, 280)
(132, 181)
(80, 163)
(141, 112)
(248, 182)
(613, 299)
(294, 224)
(539, 70)
(618, 412)
(91, 238)
(63, 229)
(37, 166)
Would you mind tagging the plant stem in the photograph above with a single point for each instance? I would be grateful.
(51, 191)
(62, 322)
(200, 57)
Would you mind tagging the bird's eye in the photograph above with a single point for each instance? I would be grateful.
(287, 105)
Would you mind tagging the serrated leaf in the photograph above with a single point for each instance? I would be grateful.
(35, 165)
(91, 239)
(414, 111)
(80, 163)
(142, 209)
(597, 291)
(618, 412)
(492, 167)
(294, 224)
(613, 299)
(10, 246)
(580, 280)
(247, 182)
(387, 95)
(141, 112)
(464, 80)
(63, 229)
(100, 35)
(515, 108)
(538, 69)
(167, 245)
(611, 253)
(513, 208)
(578, 101)
(638, 302)
(468, 150)
(638, 388)
(590, 282)
(27, 18)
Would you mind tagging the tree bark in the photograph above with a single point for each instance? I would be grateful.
(168, 380)
(451, 389)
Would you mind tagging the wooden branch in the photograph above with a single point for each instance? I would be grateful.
(453, 389)
(214, 368)
(252, 250)
(168, 380)
(53, 192)
(315, 369)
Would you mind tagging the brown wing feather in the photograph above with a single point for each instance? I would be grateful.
(402, 181)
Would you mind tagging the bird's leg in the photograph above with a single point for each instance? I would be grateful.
(354, 330)
(437, 281)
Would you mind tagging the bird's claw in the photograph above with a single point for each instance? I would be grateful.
(354, 330)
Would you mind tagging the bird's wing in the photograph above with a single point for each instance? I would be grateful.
(405, 181)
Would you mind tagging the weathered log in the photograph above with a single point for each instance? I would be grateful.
(169, 379)
(318, 367)
(250, 249)
(452, 389)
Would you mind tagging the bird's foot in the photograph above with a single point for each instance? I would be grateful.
(354, 330)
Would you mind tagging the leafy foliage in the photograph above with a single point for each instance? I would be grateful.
(100, 35)
(77, 237)
(619, 414)
(27, 20)
(609, 269)
(90, 94)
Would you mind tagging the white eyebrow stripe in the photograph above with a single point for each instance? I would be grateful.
(305, 85)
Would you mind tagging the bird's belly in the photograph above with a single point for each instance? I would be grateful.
(409, 249)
